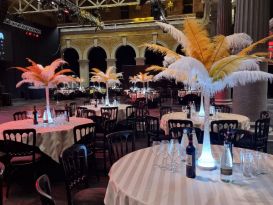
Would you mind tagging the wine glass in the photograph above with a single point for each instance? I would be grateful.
(184, 109)
(156, 150)
(174, 154)
(164, 152)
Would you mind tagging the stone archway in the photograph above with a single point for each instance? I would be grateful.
(125, 55)
(87, 50)
(152, 58)
(115, 48)
(97, 58)
(71, 56)
(74, 47)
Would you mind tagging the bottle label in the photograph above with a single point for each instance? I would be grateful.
(189, 160)
(227, 172)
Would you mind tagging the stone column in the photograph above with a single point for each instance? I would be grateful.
(140, 61)
(252, 17)
(84, 72)
(111, 62)
(224, 23)
(224, 17)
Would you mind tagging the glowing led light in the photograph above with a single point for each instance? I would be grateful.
(206, 160)
(202, 110)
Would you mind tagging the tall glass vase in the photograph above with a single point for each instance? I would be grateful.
(47, 114)
(202, 111)
(206, 160)
(107, 103)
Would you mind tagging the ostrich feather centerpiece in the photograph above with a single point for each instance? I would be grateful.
(45, 77)
(133, 80)
(209, 63)
(144, 78)
(110, 78)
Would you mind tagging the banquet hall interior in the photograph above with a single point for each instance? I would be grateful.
(136, 102)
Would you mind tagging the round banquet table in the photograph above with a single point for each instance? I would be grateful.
(150, 95)
(52, 139)
(136, 180)
(121, 110)
(244, 122)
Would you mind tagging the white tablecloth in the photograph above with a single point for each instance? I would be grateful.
(135, 180)
(52, 139)
(121, 110)
(244, 122)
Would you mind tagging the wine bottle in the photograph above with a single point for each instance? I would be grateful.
(226, 164)
(195, 142)
(67, 112)
(184, 144)
(96, 105)
(190, 159)
(188, 112)
(35, 116)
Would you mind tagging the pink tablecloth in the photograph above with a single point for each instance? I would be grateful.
(52, 139)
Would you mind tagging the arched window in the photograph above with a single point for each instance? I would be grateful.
(97, 58)
(153, 58)
(71, 56)
(125, 55)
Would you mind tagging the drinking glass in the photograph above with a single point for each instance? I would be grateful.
(164, 153)
(259, 163)
(184, 109)
(174, 154)
(217, 113)
(156, 147)
(247, 161)
(156, 150)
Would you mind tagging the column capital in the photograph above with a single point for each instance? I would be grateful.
(140, 60)
(83, 61)
(111, 62)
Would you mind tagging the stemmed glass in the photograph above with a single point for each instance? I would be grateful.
(164, 153)
(174, 154)
(156, 149)
(184, 109)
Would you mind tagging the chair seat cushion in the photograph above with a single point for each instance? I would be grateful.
(24, 159)
(90, 196)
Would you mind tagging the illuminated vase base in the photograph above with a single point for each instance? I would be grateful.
(206, 164)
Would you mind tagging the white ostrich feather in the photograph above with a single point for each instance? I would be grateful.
(186, 69)
(240, 78)
(96, 79)
(168, 60)
(29, 75)
(35, 83)
(249, 64)
(61, 79)
(112, 82)
(238, 41)
(271, 24)
(178, 35)
(41, 76)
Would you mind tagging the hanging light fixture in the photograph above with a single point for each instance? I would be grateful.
(170, 5)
